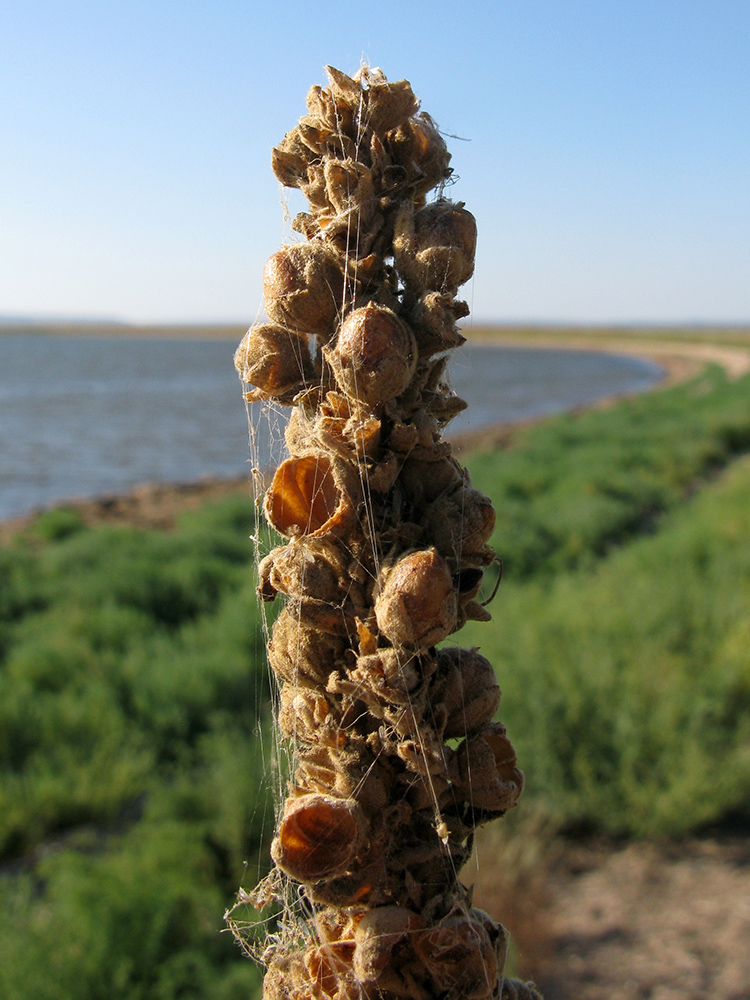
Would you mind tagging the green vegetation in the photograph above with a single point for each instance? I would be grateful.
(134, 781)
(622, 644)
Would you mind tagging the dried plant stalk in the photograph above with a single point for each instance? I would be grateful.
(388, 543)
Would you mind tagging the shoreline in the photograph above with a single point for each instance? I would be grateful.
(158, 504)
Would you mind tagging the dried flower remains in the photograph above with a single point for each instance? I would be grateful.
(397, 758)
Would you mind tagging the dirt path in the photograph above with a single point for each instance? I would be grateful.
(636, 922)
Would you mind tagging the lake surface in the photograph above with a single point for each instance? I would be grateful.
(89, 416)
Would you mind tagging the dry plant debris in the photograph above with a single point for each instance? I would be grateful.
(397, 758)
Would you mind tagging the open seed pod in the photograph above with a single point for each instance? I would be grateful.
(389, 104)
(419, 148)
(311, 495)
(349, 187)
(375, 355)
(319, 837)
(307, 715)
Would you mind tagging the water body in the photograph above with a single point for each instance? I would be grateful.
(89, 416)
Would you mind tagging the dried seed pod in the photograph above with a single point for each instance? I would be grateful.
(488, 777)
(301, 653)
(427, 479)
(349, 187)
(310, 495)
(464, 955)
(375, 355)
(284, 976)
(318, 837)
(466, 686)
(349, 772)
(304, 288)
(433, 318)
(275, 360)
(344, 89)
(311, 567)
(461, 523)
(435, 248)
(305, 714)
(417, 604)
(389, 105)
(289, 161)
(417, 146)
(376, 935)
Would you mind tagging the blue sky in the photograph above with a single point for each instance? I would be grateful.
(605, 149)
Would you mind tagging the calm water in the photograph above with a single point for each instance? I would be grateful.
(86, 416)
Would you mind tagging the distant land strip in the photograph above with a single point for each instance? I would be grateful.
(622, 336)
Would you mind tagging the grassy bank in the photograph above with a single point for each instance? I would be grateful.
(134, 778)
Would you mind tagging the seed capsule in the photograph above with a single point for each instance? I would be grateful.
(301, 654)
(489, 778)
(417, 605)
(376, 935)
(466, 685)
(307, 497)
(375, 355)
(319, 836)
(464, 954)
(275, 360)
(434, 249)
(307, 567)
(349, 187)
(304, 288)
(461, 523)
(418, 147)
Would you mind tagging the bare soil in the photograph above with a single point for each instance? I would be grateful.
(642, 921)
